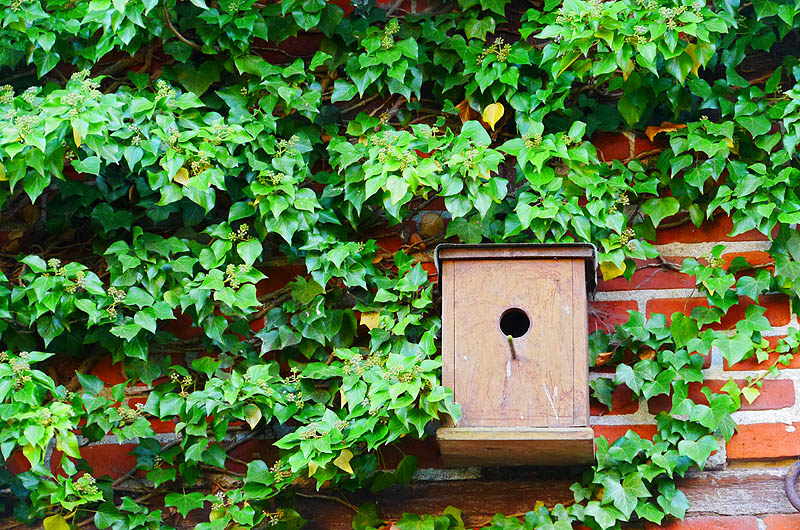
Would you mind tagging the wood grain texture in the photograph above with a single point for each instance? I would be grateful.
(536, 388)
(547, 446)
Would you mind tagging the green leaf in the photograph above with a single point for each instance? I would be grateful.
(185, 503)
(683, 329)
(249, 250)
(658, 209)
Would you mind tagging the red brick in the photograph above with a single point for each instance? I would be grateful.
(765, 440)
(623, 402)
(775, 394)
(777, 309)
(611, 146)
(278, 277)
(17, 463)
(753, 364)
(747, 522)
(613, 432)
(182, 327)
(650, 278)
(782, 521)
(710, 231)
(110, 373)
(754, 258)
(113, 460)
(642, 145)
(605, 315)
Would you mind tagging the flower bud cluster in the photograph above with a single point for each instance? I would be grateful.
(391, 29)
(499, 49)
(85, 486)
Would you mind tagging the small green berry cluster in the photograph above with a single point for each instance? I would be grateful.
(471, 157)
(391, 29)
(499, 48)
(284, 145)
(230, 275)
(532, 142)
(21, 368)
(280, 470)
(85, 486)
(627, 236)
(80, 276)
(713, 261)
(117, 296)
(129, 415)
(185, 381)
(163, 90)
(311, 432)
(396, 372)
(296, 398)
(620, 202)
(274, 518)
(240, 234)
(200, 164)
(223, 501)
(6, 95)
(219, 131)
(270, 177)
(359, 365)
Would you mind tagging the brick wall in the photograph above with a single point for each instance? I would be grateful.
(742, 488)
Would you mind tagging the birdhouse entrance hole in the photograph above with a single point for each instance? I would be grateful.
(515, 353)
(514, 322)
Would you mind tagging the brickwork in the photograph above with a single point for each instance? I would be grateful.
(768, 428)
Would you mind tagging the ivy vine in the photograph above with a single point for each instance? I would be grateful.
(160, 160)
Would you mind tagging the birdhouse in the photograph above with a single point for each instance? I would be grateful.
(515, 353)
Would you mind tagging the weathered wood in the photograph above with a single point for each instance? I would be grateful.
(520, 446)
(515, 349)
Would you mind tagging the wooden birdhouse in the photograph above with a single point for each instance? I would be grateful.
(515, 353)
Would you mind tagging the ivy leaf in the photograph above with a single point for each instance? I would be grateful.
(252, 414)
(753, 286)
(343, 91)
(658, 209)
(735, 348)
(55, 522)
(249, 250)
(605, 516)
(683, 329)
(492, 113)
(610, 270)
(185, 503)
(698, 450)
(343, 461)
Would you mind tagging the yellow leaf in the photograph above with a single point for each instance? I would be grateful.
(253, 415)
(76, 135)
(55, 522)
(666, 126)
(690, 48)
(216, 514)
(492, 113)
(343, 461)
(371, 319)
(3, 173)
(312, 468)
(610, 270)
(182, 176)
(626, 72)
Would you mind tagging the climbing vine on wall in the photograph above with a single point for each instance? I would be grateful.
(158, 159)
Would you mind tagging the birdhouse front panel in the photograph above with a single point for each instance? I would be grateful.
(515, 347)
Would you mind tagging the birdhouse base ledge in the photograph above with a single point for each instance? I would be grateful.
(491, 446)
